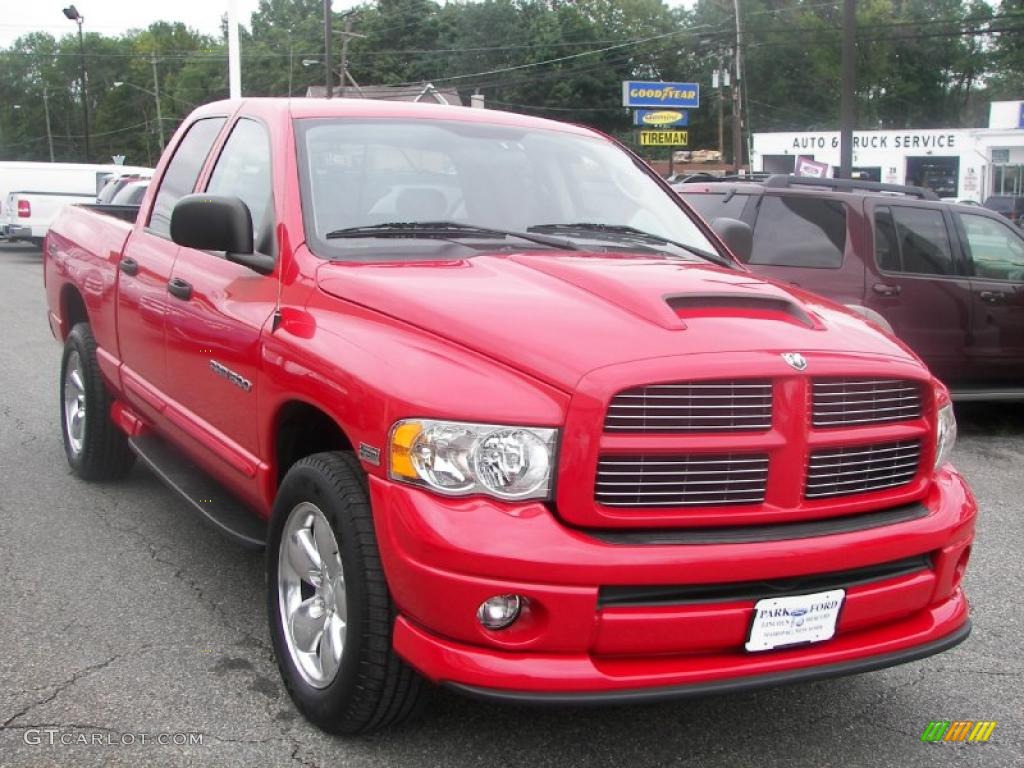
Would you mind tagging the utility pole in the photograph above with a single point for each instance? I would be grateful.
(234, 53)
(721, 108)
(737, 118)
(156, 92)
(346, 35)
(848, 104)
(46, 110)
(327, 47)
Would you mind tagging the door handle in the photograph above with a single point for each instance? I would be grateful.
(884, 289)
(179, 288)
(129, 266)
(992, 297)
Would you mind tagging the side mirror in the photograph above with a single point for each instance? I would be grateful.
(218, 223)
(212, 223)
(739, 237)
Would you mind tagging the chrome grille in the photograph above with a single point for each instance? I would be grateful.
(844, 402)
(860, 468)
(692, 480)
(704, 406)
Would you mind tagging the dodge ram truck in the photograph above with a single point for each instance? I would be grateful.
(505, 413)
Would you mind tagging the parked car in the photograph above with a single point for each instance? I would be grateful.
(131, 194)
(947, 279)
(115, 184)
(27, 215)
(1010, 206)
(559, 447)
(31, 194)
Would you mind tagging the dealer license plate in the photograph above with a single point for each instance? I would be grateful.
(782, 621)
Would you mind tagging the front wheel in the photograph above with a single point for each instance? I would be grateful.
(331, 616)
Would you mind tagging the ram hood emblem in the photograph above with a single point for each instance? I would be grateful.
(796, 361)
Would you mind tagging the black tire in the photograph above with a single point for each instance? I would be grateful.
(104, 453)
(373, 688)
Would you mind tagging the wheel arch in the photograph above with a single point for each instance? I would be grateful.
(300, 429)
(72, 309)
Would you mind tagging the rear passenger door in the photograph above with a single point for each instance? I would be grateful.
(921, 286)
(802, 240)
(995, 254)
(145, 269)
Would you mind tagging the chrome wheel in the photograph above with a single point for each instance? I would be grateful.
(74, 402)
(311, 595)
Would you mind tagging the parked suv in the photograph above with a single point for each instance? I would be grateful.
(947, 279)
(1011, 206)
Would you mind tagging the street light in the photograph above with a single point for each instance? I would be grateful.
(71, 13)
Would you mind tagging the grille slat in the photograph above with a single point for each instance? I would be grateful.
(711, 406)
(888, 465)
(853, 402)
(693, 480)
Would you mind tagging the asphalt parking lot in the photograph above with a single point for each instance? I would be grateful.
(122, 616)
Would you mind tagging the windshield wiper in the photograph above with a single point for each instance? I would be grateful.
(446, 229)
(625, 231)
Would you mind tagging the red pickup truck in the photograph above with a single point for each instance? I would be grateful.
(505, 413)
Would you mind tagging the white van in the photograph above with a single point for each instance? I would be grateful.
(31, 194)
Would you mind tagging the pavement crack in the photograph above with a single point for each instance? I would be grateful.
(60, 688)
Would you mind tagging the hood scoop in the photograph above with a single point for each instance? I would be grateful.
(708, 305)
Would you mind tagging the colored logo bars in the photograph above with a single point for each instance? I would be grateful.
(958, 730)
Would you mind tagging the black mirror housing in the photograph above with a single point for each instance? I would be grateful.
(738, 236)
(212, 223)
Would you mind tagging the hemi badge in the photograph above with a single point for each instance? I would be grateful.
(369, 454)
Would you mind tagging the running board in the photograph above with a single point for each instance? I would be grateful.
(217, 506)
(1002, 394)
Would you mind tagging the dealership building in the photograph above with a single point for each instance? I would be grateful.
(960, 163)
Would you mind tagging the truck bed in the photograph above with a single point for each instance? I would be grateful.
(83, 247)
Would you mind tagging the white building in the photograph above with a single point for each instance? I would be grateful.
(962, 163)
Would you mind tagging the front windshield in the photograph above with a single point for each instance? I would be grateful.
(365, 173)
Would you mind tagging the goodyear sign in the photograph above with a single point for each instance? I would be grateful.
(660, 118)
(638, 93)
(664, 138)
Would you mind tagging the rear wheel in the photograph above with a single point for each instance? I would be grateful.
(331, 616)
(96, 449)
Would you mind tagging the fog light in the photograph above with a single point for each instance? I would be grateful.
(961, 567)
(499, 611)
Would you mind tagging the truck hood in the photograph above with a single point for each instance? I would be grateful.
(557, 316)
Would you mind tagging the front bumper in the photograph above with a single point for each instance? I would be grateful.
(443, 557)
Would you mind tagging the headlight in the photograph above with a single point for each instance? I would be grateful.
(459, 459)
(945, 434)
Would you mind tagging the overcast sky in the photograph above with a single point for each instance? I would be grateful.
(111, 17)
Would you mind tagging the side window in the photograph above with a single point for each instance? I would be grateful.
(996, 251)
(180, 177)
(243, 170)
(923, 241)
(887, 247)
(796, 231)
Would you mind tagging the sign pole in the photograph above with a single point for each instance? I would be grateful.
(848, 105)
